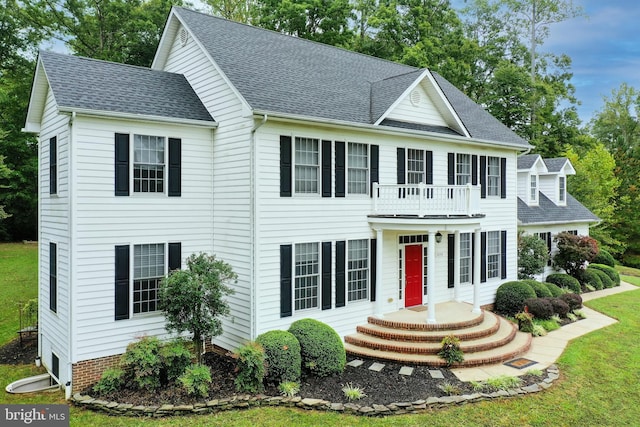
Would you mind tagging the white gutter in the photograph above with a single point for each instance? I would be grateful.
(253, 288)
(297, 118)
(139, 117)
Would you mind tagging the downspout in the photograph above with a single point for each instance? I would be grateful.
(253, 289)
(71, 180)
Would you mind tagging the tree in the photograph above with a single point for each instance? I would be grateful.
(234, 10)
(193, 299)
(574, 252)
(532, 256)
(5, 173)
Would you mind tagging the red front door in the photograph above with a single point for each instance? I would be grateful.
(413, 275)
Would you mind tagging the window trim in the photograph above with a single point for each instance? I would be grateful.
(367, 169)
(165, 166)
(533, 188)
(318, 167)
(468, 259)
(562, 190)
(458, 163)
(496, 177)
(497, 254)
(317, 275)
(366, 270)
(132, 281)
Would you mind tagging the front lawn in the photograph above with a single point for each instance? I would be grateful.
(598, 386)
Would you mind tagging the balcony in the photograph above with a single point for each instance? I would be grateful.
(423, 200)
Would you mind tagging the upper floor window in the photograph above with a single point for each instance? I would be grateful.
(463, 169)
(307, 165)
(533, 188)
(493, 176)
(53, 165)
(493, 254)
(148, 271)
(358, 168)
(307, 275)
(562, 189)
(148, 164)
(415, 166)
(358, 269)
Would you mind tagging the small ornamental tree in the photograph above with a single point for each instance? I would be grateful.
(574, 252)
(193, 299)
(533, 255)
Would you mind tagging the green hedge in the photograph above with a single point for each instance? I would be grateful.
(321, 347)
(540, 289)
(610, 271)
(574, 301)
(591, 277)
(510, 297)
(604, 278)
(555, 290)
(541, 308)
(282, 354)
(604, 257)
(565, 281)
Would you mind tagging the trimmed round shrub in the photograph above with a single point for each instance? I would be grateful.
(541, 308)
(510, 297)
(610, 271)
(555, 290)
(560, 307)
(321, 347)
(604, 277)
(604, 257)
(282, 354)
(590, 277)
(540, 289)
(565, 281)
(574, 301)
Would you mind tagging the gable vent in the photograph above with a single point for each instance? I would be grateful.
(415, 98)
(184, 36)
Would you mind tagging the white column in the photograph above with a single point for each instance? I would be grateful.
(476, 271)
(456, 267)
(431, 278)
(379, 255)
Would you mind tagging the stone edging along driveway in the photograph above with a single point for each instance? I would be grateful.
(249, 401)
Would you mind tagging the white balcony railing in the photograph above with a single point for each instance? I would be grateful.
(425, 200)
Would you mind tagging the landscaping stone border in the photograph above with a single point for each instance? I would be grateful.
(248, 401)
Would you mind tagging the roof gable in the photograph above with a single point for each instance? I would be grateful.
(560, 165)
(532, 162)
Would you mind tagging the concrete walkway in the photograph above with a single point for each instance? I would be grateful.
(546, 350)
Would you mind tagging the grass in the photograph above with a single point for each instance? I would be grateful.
(18, 284)
(598, 387)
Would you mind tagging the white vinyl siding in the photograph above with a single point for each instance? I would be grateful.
(465, 258)
(307, 165)
(148, 271)
(358, 168)
(358, 270)
(307, 276)
(493, 176)
(493, 254)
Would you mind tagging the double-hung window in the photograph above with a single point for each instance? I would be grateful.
(148, 271)
(415, 166)
(148, 164)
(493, 176)
(465, 257)
(307, 275)
(463, 169)
(358, 270)
(533, 188)
(562, 189)
(307, 161)
(358, 168)
(493, 254)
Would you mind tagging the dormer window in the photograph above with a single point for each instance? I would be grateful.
(533, 192)
(562, 189)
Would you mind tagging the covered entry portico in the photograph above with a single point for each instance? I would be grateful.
(407, 244)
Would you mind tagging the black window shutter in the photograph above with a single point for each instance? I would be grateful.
(326, 168)
(503, 178)
(548, 239)
(53, 277)
(373, 268)
(451, 169)
(53, 165)
(285, 280)
(374, 167)
(451, 242)
(285, 166)
(401, 166)
(429, 167)
(483, 177)
(483, 257)
(474, 170)
(175, 167)
(122, 164)
(340, 273)
(175, 256)
(122, 282)
(340, 169)
(503, 254)
(326, 275)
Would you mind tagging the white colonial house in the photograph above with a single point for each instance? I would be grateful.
(337, 185)
(545, 208)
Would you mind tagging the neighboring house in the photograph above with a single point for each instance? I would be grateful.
(545, 208)
(337, 185)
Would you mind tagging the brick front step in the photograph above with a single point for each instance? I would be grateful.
(422, 326)
(489, 326)
(502, 336)
(520, 343)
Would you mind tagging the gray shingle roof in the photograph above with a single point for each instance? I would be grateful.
(548, 212)
(416, 126)
(284, 74)
(82, 83)
(527, 161)
(555, 165)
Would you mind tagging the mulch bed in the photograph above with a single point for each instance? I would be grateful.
(16, 354)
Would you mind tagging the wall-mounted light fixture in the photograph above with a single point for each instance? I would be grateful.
(438, 237)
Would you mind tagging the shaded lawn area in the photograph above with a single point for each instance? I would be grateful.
(599, 387)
